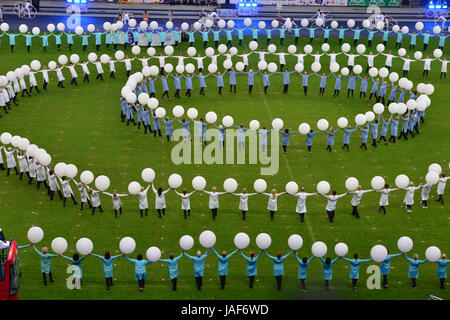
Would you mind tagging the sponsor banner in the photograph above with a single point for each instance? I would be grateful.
(324, 3)
(379, 3)
(227, 13)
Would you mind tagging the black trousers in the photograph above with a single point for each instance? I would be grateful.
(109, 282)
(392, 138)
(73, 199)
(15, 168)
(222, 281)
(354, 282)
(115, 211)
(142, 212)
(286, 87)
(279, 280)
(88, 202)
(233, 86)
(99, 208)
(303, 283)
(302, 216)
(382, 208)
(272, 213)
(251, 281)
(214, 213)
(161, 211)
(243, 214)
(336, 93)
(330, 215)
(186, 213)
(355, 211)
(198, 281)
(174, 284)
(39, 184)
(305, 89)
(188, 93)
(44, 277)
(250, 88)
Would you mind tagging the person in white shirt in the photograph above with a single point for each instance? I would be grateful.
(443, 68)
(214, 200)
(185, 201)
(426, 65)
(262, 54)
(357, 195)
(144, 61)
(53, 184)
(160, 200)
(117, 203)
(127, 62)
(33, 82)
(441, 187)
(95, 198)
(67, 190)
(143, 201)
(244, 56)
(181, 59)
(100, 71)
(112, 68)
(199, 60)
(32, 169)
(23, 86)
(384, 197)
(10, 160)
(331, 204)
(406, 65)
(11, 93)
(60, 76)
(2, 167)
(243, 201)
(272, 203)
(73, 73)
(23, 165)
(425, 194)
(301, 202)
(389, 58)
(409, 196)
(351, 59)
(162, 63)
(86, 72)
(282, 58)
(41, 176)
(332, 56)
(82, 188)
(370, 60)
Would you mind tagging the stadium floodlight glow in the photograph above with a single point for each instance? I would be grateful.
(241, 4)
(254, 5)
(247, 4)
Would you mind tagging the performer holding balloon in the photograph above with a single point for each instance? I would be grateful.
(107, 267)
(278, 269)
(172, 262)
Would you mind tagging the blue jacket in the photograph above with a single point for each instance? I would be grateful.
(442, 268)
(199, 263)
(413, 271)
(251, 264)
(330, 136)
(173, 266)
(278, 269)
(107, 265)
(46, 265)
(222, 269)
(385, 266)
(327, 272)
(354, 266)
(303, 267)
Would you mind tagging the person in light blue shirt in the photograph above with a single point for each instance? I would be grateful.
(330, 138)
(85, 40)
(108, 271)
(148, 36)
(401, 97)
(156, 124)
(305, 77)
(46, 265)
(356, 35)
(354, 268)
(286, 79)
(172, 263)
(278, 269)
(177, 85)
(341, 33)
(12, 39)
(385, 36)
(282, 32)
(266, 80)
(125, 39)
(199, 266)
(216, 36)
(191, 37)
(374, 89)
(337, 85)
(382, 92)
(327, 272)
(394, 130)
(162, 37)
(168, 128)
(323, 83)
(186, 129)
(140, 273)
(326, 34)
(252, 270)
(76, 263)
(413, 271)
(229, 35)
(374, 128)
(363, 86)
(285, 138)
(58, 40)
(370, 37)
(202, 78)
(303, 269)
(176, 36)
(346, 138)
(28, 40)
(188, 84)
(296, 34)
(219, 77)
(205, 37)
(165, 87)
(146, 119)
(412, 40)
(398, 42)
(151, 87)
(311, 33)
(364, 137)
(98, 39)
(442, 38)
(232, 75)
(140, 114)
(393, 93)
(115, 39)
(250, 79)
(44, 38)
(202, 125)
(222, 268)
(268, 34)
(351, 85)
(255, 34)
(426, 39)
(384, 128)
(69, 36)
(240, 35)
(404, 131)
(385, 268)
(442, 269)
(309, 139)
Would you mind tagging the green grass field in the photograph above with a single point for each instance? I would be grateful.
(81, 125)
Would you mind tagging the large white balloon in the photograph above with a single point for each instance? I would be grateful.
(277, 123)
(319, 249)
(254, 125)
(230, 185)
(241, 240)
(102, 183)
(322, 124)
(260, 185)
(377, 183)
(432, 177)
(295, 242)
(435, 167)
(60, 169)
(211, 117)
(378, 108)
(378, 253)
(351, 184)
(419, 26)
(35, 234)
(175, 180)
(402, 181)
(207, 239)
(341, 249)
(227, 121)
(370, 116)
(127, 245)
(360, 119)
(405, 244)
(433, 253)
(84, 246)
(153, 254)
(263, 241)
(323, 187)
(59, 245)
(304, 128)
(134, 187)
(342, 122)
(148, 175)
(87, 177)
(70, 171)
(199, 183)
(186, 242)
